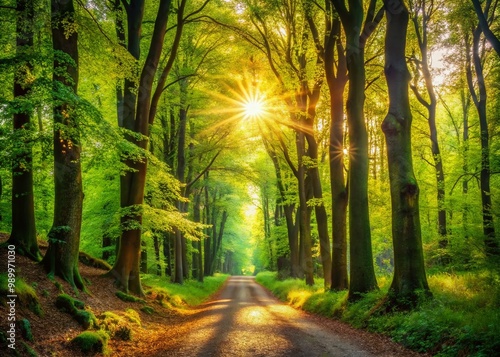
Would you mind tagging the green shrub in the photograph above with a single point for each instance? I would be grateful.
(191, 293)
(91, 342)
(133, 316)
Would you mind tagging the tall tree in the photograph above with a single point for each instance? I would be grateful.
(409, 268)
(362, 271)
(138, 110)
(336, 79)
(479, 97)
(422, 12)
(23, 233)
(64, 237)
(485, 19)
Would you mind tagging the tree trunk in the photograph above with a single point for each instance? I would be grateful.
(420, 21)
(178, 267)
(23, 233)
(409, 270)
(136, 119)
(336, 84)
(490, 242)
(361, 258)
(362, 270)
(167, 253)
(156, 244)
(208, 232)
(485, 27)
(288, 210)
(198, 257)
(64, 237)
(107, 242)
(465, 166)
(305, 215)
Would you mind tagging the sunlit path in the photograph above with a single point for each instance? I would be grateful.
(245, 320)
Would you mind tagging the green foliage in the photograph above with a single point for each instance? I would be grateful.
(91, 342)
(117, 326)
(133, 316)
(191, 293)
(463, 318)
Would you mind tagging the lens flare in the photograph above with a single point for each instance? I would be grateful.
(253, 108)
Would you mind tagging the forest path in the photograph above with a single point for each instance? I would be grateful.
(244, 319)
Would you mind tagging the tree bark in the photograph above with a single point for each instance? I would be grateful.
(136, 119)
(485, 27)
(199, 244)
(491, 244)
(420, 21)
(288, 210)
(409, 269)
(23, 233)
(361, 258)
(64, 237)
(305, 215)
(336, 82)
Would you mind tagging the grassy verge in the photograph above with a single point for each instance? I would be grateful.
(191, 293)
(463, 318)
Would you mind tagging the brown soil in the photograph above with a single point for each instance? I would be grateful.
(54, 331)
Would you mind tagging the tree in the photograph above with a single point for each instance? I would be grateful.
(421, 14)
(479, 98)
(336, 79)
(362, 271)
(64, 237)
(409, 270)
(23, 234)
(484, 22)
(136, 114)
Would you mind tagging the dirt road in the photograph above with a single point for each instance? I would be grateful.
(245, 320)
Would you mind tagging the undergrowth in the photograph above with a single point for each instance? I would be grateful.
(191, 293)
(462, 319)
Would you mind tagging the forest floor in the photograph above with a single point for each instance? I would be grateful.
(54, 330)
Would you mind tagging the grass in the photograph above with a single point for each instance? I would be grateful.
(26, 294)
(462, 319)
(191, 293)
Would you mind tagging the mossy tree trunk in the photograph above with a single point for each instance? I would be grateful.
(409, 270)
(64, 237)
(23, 233)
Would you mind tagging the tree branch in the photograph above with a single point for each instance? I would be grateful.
(204, 171)
(490, 36)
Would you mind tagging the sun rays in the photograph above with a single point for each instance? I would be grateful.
(245, 105)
